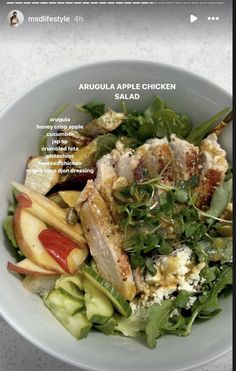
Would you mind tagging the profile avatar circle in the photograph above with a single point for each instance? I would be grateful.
(15, 18)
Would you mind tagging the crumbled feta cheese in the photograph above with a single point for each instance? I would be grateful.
(202, 280)
(162, 293)
(175, 312)
(191, 301)
(186, 286)
(174, 273)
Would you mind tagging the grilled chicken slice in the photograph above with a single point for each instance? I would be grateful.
(106, 176)
(158, 159)
(186, 158)
(105, 243)
(126, 165)
(134, 165)
(104, 124)
(40, 176)
(149, 160)
(214, 167)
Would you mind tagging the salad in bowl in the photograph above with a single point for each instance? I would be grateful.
(124, 226)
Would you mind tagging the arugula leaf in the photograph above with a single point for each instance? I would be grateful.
(209, 274)
(8, 228)
(204, 308)
(94, 108)
(199, 131)
(130, 126)
(158, 120)
(105, 143)
(158, 316)
(166, 122)
(221, 197)
(156, 105)
(182, 299)
(162, 121)
(207, 305)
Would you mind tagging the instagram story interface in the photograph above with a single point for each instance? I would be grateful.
(116, 133)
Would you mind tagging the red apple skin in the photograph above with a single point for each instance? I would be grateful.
(30, 269)
(43, 259)
(24, 200)
(60, 247)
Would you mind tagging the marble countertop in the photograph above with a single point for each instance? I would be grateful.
(27, 57)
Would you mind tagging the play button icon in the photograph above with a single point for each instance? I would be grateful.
(193, 18)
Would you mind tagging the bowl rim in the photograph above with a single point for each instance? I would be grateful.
(52, 76)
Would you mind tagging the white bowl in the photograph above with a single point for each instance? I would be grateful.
(25, 312)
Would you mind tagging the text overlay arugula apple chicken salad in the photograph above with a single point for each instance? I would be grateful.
(136, 240)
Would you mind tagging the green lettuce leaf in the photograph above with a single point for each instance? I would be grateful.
(132, 326)
(8, 228)
(107, 327)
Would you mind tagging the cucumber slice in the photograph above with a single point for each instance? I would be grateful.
(78, 325)
(108, 327)
(98, 307)
(69, 312)
(111, 292)
(59, 300)
(76, 279)
(71, 289)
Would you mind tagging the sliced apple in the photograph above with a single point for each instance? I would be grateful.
(26, 266)
(68, 254)
(50, 213)
(27, 228)
(70, 197)
(76, 258)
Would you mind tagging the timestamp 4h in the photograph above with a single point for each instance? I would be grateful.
(78, 19)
